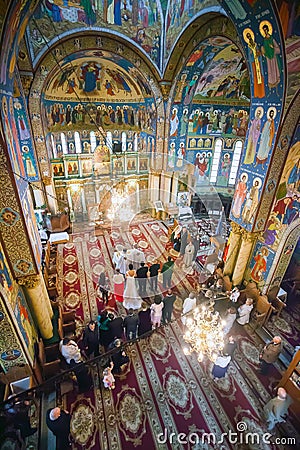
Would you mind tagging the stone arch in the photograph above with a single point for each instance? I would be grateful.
(88, 42)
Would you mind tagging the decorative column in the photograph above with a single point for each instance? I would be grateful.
(69, 197)
(39, 303)
(165, 188)
(46, 296)
(137, 190)
(234, 245)
(51, 195)
(247, 242)
(155, 187)
(83, 202)
(174, 188)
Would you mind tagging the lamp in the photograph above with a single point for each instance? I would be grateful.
(204, 333)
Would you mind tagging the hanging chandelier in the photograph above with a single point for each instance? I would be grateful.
(204, 333)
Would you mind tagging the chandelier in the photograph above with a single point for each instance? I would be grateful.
(204, 333)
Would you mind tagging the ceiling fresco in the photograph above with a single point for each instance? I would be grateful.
(93, 76)
(141, 21)
(178, 15)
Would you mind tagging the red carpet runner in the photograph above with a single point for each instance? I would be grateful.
(162, 391)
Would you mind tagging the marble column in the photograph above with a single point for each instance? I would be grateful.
(83, 202)
(39, 303)
(51, 195)
(46, 298)
(69, 197)
(155, 187)
(174, 188)
(234, 245)
(165, 188)
(247, 242)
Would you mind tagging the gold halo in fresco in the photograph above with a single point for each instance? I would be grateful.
(97, 269)
(69, 259)
(72, 300)
(163, 239)
(70, 277)
(69, 245)
(264, 23)
(114, 235)
(95, 252)
(143, 244)
(155, 227)
(136, 232)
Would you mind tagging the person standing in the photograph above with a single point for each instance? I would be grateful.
(229, 320)
(119, 284)
(119, 357)
(136, 257)
(276, 410)
(70, 350)
(141, 275)
(220, 367)
(188, 305)
(58, 421)
(156, 311)
(145, 324)
(131, 323)
(184, 239)
(103, 284)
(91, 339)
(229, 347)
(167, 271)
(270, 354)
(122, 263)
(116, 327)
(244, 312)
(188, 255)
(153, 272)
(131, 296)
(168, 301)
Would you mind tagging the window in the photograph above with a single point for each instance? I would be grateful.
(54, 152)
(109, 140)
(77, 142)
(123, 138)
(93, 141)
(216, 160)
(135, 142)
(64, 143)
(235, 161)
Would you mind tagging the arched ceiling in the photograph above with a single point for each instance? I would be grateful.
(96, 75)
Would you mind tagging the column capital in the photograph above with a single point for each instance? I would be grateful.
(237, 229)
(248, 236)
(47, 181)
(30, 281)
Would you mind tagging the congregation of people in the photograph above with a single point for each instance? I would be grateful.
(139, 298)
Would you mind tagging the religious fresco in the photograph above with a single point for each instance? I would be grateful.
(211, 99)
(179, 13)
(139, 20)
(286, 207)
(260, 264)
(5, 275)
(25, 322)
(289, 13)
(263, 45)
(31, 226)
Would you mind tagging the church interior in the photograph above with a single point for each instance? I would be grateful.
(165, 130)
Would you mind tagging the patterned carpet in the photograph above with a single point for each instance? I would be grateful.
(161, 391)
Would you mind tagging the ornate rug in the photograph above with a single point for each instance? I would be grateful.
(162, 392)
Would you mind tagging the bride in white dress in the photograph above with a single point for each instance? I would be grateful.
(131, 296)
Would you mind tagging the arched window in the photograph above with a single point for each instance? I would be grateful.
(77, 142)
(238, 146)
(123, 138)
(54, 152)
(216, 160)
(93, 141)
(109, 140)
(135, 142)
(64, 143)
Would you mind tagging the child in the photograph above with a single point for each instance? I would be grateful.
(108, 378)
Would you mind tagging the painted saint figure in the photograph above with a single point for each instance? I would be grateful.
(270, 50)
(266, 138)
(253, 136)
(239, 196)
(260, 265)
(254, 56)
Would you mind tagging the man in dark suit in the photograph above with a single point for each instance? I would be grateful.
(116, 327)
(130, 324)
(58, 421)
(141, 275)
(168, 301)
(153, 271)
